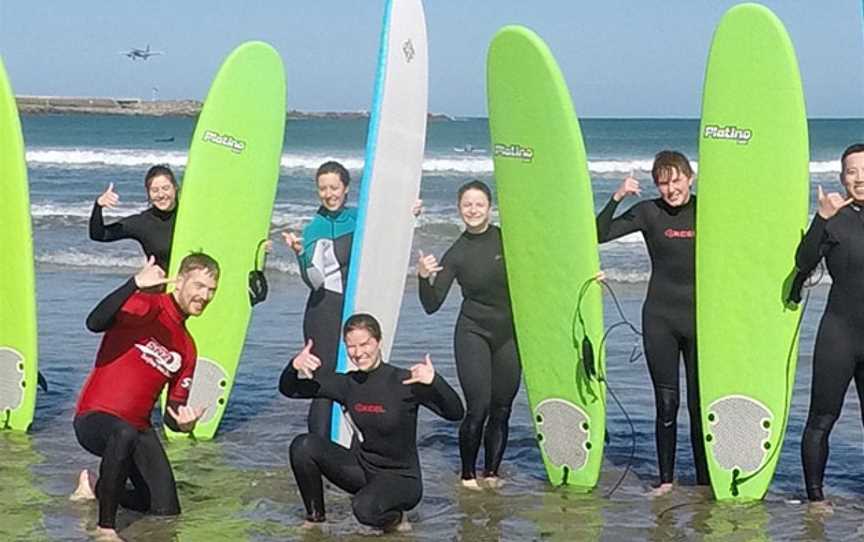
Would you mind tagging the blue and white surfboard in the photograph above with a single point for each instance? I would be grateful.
(395, 141)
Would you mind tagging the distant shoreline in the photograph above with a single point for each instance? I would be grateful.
(53, 105)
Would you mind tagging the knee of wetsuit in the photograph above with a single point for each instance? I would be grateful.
(499, 414)
(302, 447)
(820, 422)
(475, 416)
(366, 510)
(668, 402)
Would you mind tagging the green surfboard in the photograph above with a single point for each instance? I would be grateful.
(753, 131)
(550, 246)
(225, 204)
(18, 359)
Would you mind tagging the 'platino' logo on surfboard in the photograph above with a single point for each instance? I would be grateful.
(225, 140)
(408, 50)
(514, 151)
(741, 135)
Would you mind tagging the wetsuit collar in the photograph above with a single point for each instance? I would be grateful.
(163, 215)
(331, 215)
(484, 233)
(681, 208)
(174, 311)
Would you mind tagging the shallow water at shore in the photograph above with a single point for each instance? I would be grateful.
(240, 486)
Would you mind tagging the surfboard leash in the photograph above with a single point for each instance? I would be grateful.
(588, 361)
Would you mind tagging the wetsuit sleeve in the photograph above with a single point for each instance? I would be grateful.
(814, 245)
(325, 385)
(440, 398)
(433, 291)
(105, 312)
(609, 228)
(812, 248)
(112, 232)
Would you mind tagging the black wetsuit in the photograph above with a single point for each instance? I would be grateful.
(487, 361)
(382, 471)
(153, 229)
(324, 268)
(668, 317)
(838, 355)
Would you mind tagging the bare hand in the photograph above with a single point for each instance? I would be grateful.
(830, 204)
(427, 265)
(306, 362)
(109, 197)
(268, 246)
(422, 373)
(629, 186)
(294, 242)
(186, 416)
(151, 275)
(417, 208)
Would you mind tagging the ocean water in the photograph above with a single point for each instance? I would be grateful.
(240, 486)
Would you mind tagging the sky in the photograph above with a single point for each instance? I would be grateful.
(621, 58)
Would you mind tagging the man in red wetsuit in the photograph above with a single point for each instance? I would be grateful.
(145, 346)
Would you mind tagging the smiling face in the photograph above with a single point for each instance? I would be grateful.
(674, 187)
(852, 176)
(475, 210)
(195, 289)
(331, 191)
(363, 349)
(162, 193)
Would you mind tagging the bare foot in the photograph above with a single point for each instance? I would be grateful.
(660, 490)
(471, 484)
(493, 482)
(821, 508)
(102, 534)
(404, 526)
(84, 491)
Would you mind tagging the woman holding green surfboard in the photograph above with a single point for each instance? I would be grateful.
(669, 314)
(485, 347)
(152, 228)
(834, 234)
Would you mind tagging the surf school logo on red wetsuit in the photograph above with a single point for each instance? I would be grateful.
(679, 234)
(369, 408)
(160, 358)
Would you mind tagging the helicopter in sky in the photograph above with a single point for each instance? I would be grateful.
(140, 54)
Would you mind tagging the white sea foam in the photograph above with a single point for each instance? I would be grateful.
(434, 162)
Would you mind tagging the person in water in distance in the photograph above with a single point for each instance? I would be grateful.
(152, 228)
(668, 225)
(487, 360)
(145, 346)
(382, 470)
(836, 235)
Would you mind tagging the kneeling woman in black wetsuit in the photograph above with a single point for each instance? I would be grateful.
(382, 470)
(486, 358)
(669, 314)
(153, 228)
(836, 234)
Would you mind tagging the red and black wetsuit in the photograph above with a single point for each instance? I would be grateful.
(145, 347)
(383, 470)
